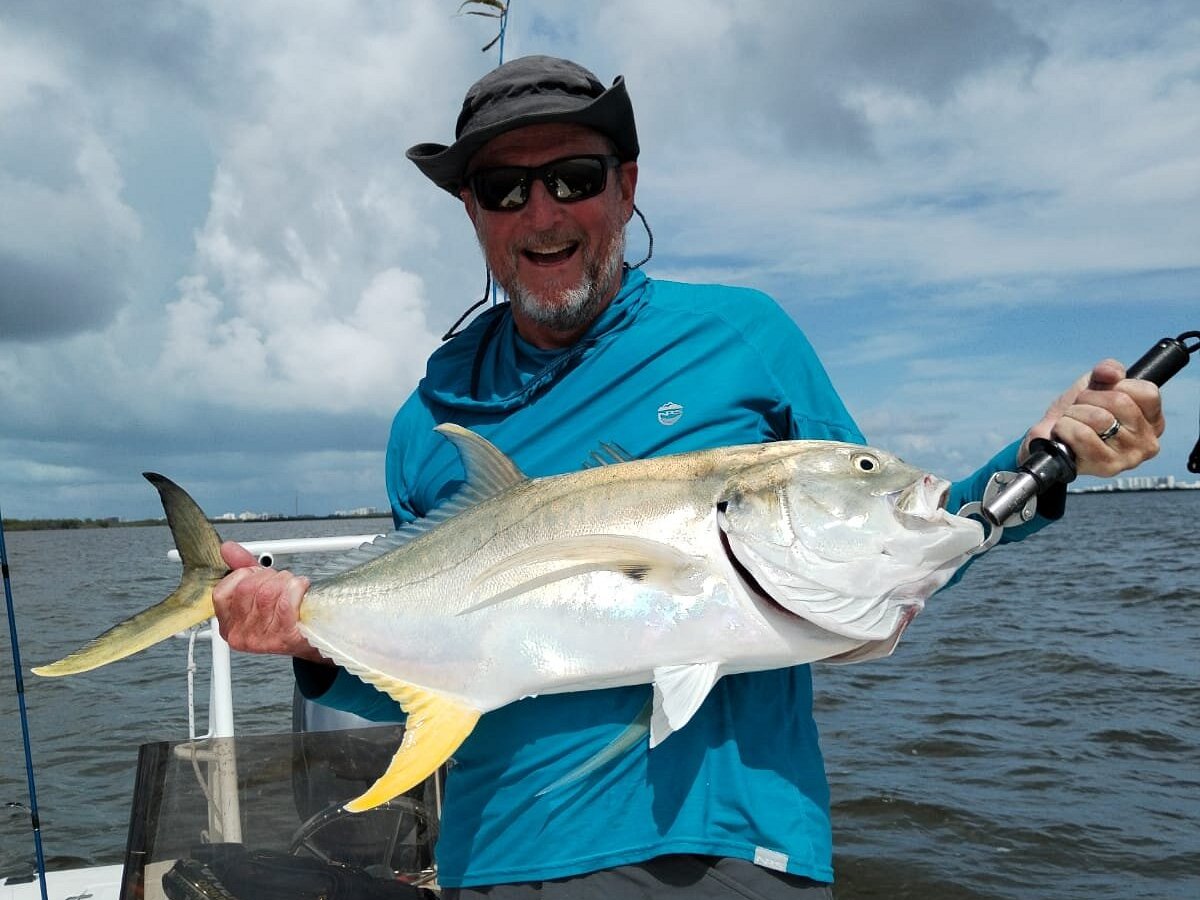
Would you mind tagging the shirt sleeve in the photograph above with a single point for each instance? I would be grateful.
(807, 407)
(334, 687)
(1051, 505)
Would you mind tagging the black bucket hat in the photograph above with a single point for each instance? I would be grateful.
(531, 90)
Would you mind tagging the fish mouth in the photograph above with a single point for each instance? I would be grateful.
(923, 501)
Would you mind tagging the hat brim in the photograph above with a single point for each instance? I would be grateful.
(611, 114)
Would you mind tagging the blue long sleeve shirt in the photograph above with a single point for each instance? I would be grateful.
(667, 368)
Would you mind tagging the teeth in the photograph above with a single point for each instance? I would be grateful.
(549, 250)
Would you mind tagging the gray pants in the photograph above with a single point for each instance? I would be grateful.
(694, 877)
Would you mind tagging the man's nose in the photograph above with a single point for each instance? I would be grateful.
(541, 207)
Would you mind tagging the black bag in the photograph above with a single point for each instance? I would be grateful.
(231, 872)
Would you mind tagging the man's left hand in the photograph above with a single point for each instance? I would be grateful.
(1089, 409)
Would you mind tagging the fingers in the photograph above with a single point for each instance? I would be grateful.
(1107, 399)
(1105, 374)
(236, 556)
(258, 608)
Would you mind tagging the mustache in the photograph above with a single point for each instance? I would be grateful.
(552, 237)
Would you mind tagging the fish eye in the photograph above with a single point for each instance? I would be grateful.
(865, 462)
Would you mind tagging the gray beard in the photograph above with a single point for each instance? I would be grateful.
(577, 307)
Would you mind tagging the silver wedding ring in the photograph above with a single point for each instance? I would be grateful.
(1111, 430)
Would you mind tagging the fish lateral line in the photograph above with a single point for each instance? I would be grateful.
(643, 560)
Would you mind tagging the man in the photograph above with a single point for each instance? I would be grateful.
(587, 351)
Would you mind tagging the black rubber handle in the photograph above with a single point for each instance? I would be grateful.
(1161, 362)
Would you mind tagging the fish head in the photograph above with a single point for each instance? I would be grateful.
(848, 537)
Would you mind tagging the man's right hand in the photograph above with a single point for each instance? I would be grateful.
(258, 608)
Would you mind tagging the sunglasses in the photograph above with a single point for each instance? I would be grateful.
(568, 180)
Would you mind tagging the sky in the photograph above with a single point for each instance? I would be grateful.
(216, 263)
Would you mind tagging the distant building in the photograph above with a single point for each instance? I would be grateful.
(360, 512)
(1139, 483)
(1146, 483)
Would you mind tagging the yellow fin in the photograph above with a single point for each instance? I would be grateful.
(436, 726)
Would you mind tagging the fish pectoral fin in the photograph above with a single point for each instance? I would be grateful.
(678, 693)
(435, 728)
(650, 562)
(876, 649)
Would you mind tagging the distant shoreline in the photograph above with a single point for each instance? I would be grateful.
(65, 524)
(76, 524)
(1078, 492)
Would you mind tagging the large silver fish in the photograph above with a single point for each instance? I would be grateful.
(672, 571)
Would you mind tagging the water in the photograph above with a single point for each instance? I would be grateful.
(1036, 734)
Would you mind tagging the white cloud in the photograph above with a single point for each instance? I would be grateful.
(240, 272)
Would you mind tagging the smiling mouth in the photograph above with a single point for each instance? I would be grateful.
(550, 256)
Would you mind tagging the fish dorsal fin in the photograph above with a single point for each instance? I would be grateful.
(608, 454)
(489, 470)
(384, 543)
(678, 693)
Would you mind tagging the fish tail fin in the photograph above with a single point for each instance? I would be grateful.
(189, 604)
(435, 728)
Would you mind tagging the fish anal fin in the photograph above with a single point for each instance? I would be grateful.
(435, 728)
(649, 562)
(678, 693)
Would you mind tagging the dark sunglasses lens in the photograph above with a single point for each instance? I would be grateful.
(497, 189)
(567, 180)
(576, 179)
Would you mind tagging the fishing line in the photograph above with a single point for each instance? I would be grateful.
(504, 28)
(16, 658)
(1193, 463)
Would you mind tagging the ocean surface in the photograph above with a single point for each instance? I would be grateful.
(1037, 734)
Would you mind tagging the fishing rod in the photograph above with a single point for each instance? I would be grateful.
(1011, 497)
(16, 659)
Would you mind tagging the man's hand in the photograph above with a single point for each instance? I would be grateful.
(1090, 407)
(258, 608)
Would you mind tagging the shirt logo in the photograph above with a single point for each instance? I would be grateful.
(669, 413)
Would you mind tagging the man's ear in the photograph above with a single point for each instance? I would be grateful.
(468, 200)
(627, 172)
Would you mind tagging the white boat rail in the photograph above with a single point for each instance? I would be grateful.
(266, 551)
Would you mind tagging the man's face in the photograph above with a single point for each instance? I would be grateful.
(559, 263)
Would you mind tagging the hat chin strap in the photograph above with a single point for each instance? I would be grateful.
(649, 236)
(487, 295)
